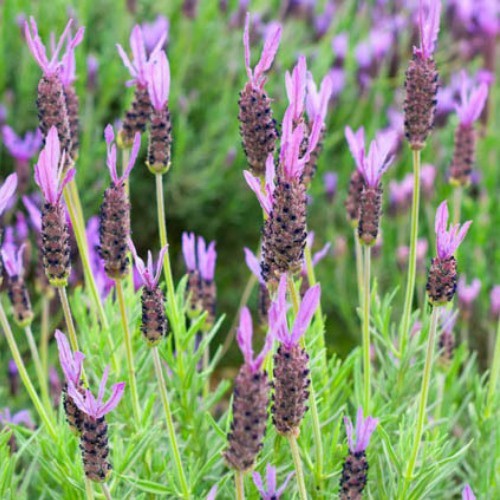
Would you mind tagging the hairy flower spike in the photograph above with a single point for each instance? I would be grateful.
(355, 468)
(250, 400)
(257, 126)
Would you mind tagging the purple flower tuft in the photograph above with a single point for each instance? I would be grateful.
(471, 104)
(364, 431)
(13, 259)
(448, 240)
(109, 135)
(149, 275)
(71, 363)
(272, 493)
(468, 293)
(22, 149)
(7, 190)
(254, 265)
(429, 28)
(158, 80)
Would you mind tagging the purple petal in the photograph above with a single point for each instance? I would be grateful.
(116, 395)
(254, 265)
(254, 184)
(307, 309)
(356, 142)
(257, 479)
(349, 432)
(268, 54)
(246, 44)
(244, 335)
(271, 479)
(189, 250)
(159, 264)
(133, 156)
(467, 493)
(212, 493)
(7, 190)
(282, 488)
(102, 386)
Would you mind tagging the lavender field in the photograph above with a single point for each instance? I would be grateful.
(249, 249)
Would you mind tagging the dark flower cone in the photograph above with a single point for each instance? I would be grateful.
(95, 449)
(194, 294)
(257, 127)
(251, 397)
(353, 199)
(312, 165)
(55, 245)
(264, 305)
(420, 102)
(154, 320)
(285, 232)
(52, 111)
(442, 280)
(72, 107)
(291, 389)
(136, 118)
(20, 300)
(446, 347)
(464, 155)
(74, 416)
(369, 214)
(160, 141)
(209, 300)
(114, 231)
(354, 476)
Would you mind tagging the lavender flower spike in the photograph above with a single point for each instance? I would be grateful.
(429, 29)
(7, 190)
(467, 493)
(271, 493)
(448, 240)
(49, 171)
(364, 431)
(71, 363)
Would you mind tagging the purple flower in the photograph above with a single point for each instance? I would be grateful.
(139, 64)
(12, 368)
(149, 275)
(49, 67)
(296, 86)
(448, 240)
(277, 314)
(71, 363)
(271, 44)
(158, 80)
(337, 76)
(340, 44)
(254, 265)
(7, 190)
(49, 171)
(467, 493)
(109, 136)
(468, 293)
(244, 338)
(356, 143)
(93, 407)
(429, 28)
(330, 181)
(68, 61)
(92, 70)
(153, 32)
(22, 149)
(189, 250)
(34, 213)
(495, 301)
(471, 104)
(364, 431)
(199, 256)
(427, 178)
(13, 259)
(271, 493)
(317, 102)
(265, 196)
(212, 493)
(21, 417)
(323, 21)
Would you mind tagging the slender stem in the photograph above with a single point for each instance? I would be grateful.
(170, 424)
(495, 372)
(205, 364)
(359, 266)
(89, 491)
(366, 329)
(457, 204)
(299, 473)
(106, 491)
(239, 484)
(412, 259)
(424, 393)
(42, 379)
(128, 350)
(44, 336)
(24, 374)
(68, 318)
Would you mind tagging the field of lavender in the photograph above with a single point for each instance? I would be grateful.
(249, 249)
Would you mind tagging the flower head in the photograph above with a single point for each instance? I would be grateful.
(139, 64)
(7, 190)
(22, 149)
(13, 259)
(158, 80)
(71, 363)
(271, 44)
(49, 171)
(468, 293)
(93, 407)
(109, 135)
(264, 196)
(278, 310)
(364, 430)
(199, 256)
(471, 103)
(254, 265)
(271, 493)
(448, 240)
(376, 162)
(429, 28)
(244, 338)
(149, 274)
(467, 493)
(49, 67)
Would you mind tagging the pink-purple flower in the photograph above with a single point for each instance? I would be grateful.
(158, 80)
(272, 492)
(296, 86)
(155, 31)
(467, 493)
(365, 427)
(448, 240)
(467, 294)
(71, 363)
(68, 61)
(471, 103)
(22, 148)
(254, 265)
(150, 275)
(244, 337)
(199, 256)
(317, 101)
(49, 171)
(7, 190)
(428, 23)
(13, 259)
(265, 196)
(109, 136)
(278, 314)
(22, 417)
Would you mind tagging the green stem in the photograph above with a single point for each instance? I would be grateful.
(68, 318)
(42, 379)
(495, 372)
(359, 266)
(106, 491)
(24, 375)
(239, 484)
(366, 329)
(170, 424)
(299, 473)
(128, 350)
(424, 393)
(412, 259)
(44, 336)
(89, 492)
